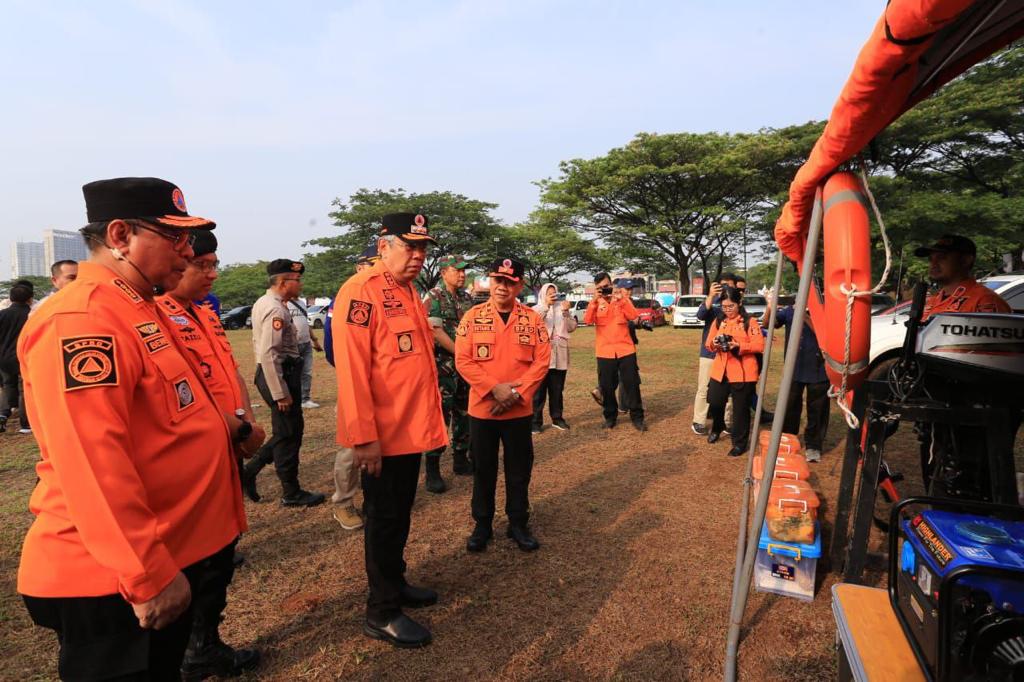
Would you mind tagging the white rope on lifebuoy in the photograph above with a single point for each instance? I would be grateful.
(851, 294)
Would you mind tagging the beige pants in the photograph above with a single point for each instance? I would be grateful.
(700, 400)
(346, 477)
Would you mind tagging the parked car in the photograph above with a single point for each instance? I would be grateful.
(650, 311)
(755, 305)
(685, 314)
(889, 329)
(317, 314)
(237, 318)
(578, 309)
(881, 302)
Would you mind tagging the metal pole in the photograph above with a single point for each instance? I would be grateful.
(762, 382)
(739, 597)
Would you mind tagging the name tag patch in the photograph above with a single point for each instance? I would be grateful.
(88, 361)
(152, 337)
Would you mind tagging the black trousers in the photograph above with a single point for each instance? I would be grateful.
(13, 391)
(210, 591)
(286, 430)
(610, 371)
(387, 508)
(517, 441)
(817, 412)
(550, 389)
(742, 393)
(100, 637)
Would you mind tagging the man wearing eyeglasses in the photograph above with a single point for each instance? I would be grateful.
(279, 381)
(201, 333)
(138, 492)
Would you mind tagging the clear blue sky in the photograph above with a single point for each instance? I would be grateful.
(264, 112)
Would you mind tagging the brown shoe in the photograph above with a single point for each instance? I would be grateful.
(348, 518)
(596, 395)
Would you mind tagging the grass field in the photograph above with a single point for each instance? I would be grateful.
(632, 582)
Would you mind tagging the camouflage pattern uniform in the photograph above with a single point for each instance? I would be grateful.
(447, 310)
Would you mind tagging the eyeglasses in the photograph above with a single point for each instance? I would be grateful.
(206, 266)
(178, 238)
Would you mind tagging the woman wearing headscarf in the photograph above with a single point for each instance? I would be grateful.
(560, 323)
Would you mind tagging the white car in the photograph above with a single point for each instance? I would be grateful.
(889, 329)
(317, 316)
(685, 313)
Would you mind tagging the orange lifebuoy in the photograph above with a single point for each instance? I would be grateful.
(846, 233)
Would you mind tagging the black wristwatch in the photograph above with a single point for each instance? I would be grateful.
(245, 430)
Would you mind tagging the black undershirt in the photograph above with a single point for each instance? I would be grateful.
(505, 316)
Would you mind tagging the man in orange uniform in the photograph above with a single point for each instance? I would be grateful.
(389, 411)
(201, 333)
(502, 350)
(610, 312)
(138, 490)
(950, 261)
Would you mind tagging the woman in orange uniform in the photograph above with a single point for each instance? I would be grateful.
(735, 339)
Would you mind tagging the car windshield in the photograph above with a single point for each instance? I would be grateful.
(237, 311)
(314, 309)
(689, 301)
(643, 303)
(753, 299)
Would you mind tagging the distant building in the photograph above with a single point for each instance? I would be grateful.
(63, 245)
(28, 259)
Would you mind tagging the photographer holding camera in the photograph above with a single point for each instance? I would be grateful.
(735, 339)
(611, 311)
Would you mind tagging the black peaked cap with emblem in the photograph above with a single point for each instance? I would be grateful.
(410, 227)
(948, 243)
(283, 266)
(509, 268)
(151, 199)
(206, 242)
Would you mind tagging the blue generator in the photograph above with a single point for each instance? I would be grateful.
(956, 582)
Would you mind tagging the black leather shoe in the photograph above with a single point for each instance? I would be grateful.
(417, 597)
(461, 464)
(214, 658)
(478, 540)
(523, 538)
(402, 631)
(249, 486)
(640, 426)
(713, 436)
(560, 424)
(609, 423)
(734, 452)
(303, 498)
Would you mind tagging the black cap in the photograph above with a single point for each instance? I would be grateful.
(151, 199)
(283, 266)
(411, 227)
(369, 254)
(509, 268)
(206, 242)
(948, 243)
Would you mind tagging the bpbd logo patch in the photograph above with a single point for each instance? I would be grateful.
(88, 361)
(359, 313)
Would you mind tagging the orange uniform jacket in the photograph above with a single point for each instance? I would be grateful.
(611, 319)
(384, 355)
(969, 297)
(136, 456)
(211, 351)
(489, 351)
(736, 369)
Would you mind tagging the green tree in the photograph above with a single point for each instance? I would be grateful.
(461, 226)
(551, 250)
(41, 285)
(241, 284)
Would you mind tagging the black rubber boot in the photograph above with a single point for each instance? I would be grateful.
(207, 656)
(435, 484)
(461, 464)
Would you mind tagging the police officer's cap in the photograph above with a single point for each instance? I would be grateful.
(509, 268)
(284, 266)
(206, 242)
(948, 243)
(453, 261)
(151, 199)
(369, 255)
(409, 227)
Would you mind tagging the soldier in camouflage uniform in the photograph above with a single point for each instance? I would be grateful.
(447, 304)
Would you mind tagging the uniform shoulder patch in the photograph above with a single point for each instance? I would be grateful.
(542, 334)
(88, 361)
(127, 290)
(461, 330)
(359, 313)
(277, 324)
(152, 336)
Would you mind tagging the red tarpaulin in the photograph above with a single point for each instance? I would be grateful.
(916, 47)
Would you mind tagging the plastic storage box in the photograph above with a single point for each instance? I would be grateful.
(792, 513)
(787, 568)
(787, 467)
(789, 444)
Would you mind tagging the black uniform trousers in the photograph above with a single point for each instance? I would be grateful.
(13, 391)
(517, 441)
(742, 394)
(610, 371)
(817, 412)
(286, 429)
(387, 510)
(551, 389)
(210, 591)
(100, 637)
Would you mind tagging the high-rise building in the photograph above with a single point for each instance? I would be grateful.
(27, 258)
(63, 245)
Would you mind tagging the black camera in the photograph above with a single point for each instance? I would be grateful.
(722, 341)
(606, 291)
(646, 325)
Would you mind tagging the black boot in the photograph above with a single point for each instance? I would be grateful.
(207, 656)
(435, 484)
(461, 464)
